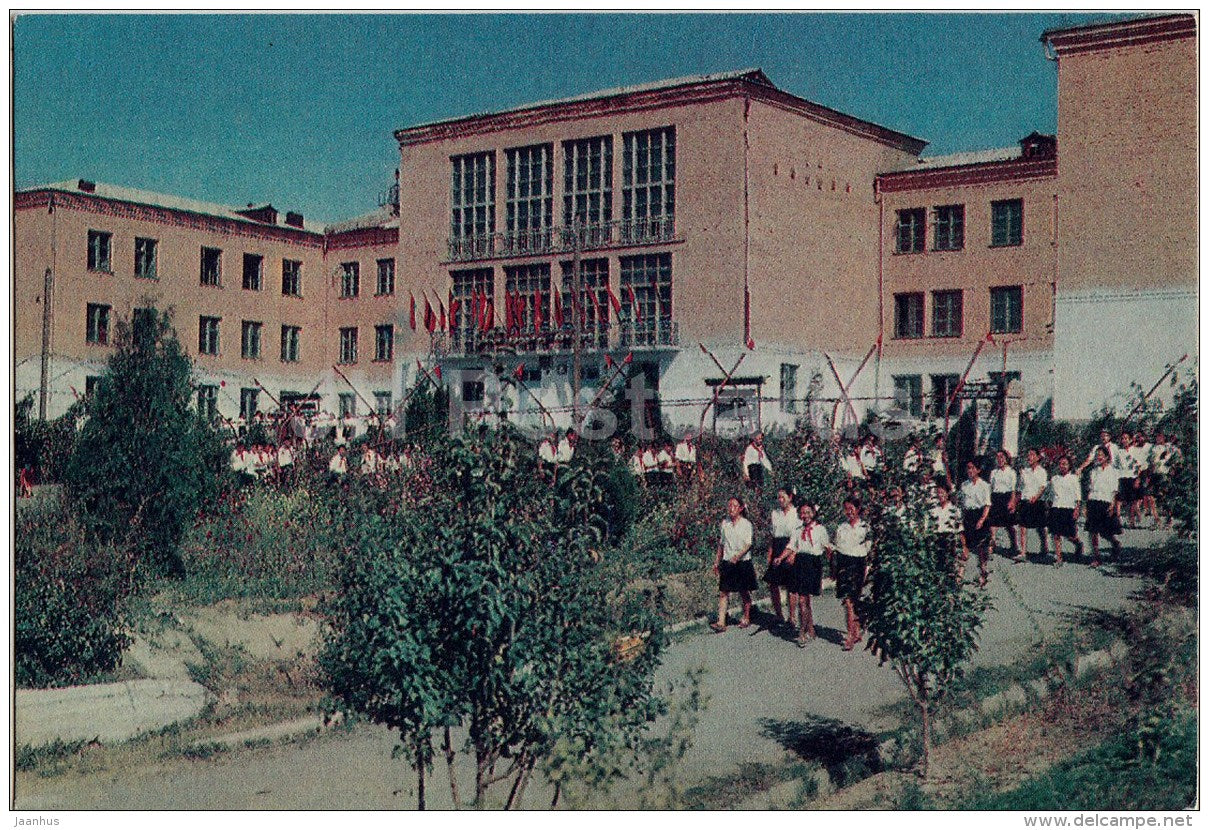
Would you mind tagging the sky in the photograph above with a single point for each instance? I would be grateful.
(299, 110)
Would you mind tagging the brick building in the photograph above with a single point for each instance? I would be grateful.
(713, 209)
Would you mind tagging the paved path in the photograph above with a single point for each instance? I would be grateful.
(753, 676)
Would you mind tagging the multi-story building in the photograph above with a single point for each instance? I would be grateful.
(683, 221)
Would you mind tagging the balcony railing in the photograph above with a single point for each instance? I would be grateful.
(560, 240)
(661, 334)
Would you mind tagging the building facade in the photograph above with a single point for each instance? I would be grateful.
(690, 223)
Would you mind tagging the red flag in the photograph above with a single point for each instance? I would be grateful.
(634, 304)
(596, 306)
(441, 305)
(751, 344)
(558, 309)
(537, 311)
(613, 301)
(413, 310)
(419, 365)
(454, 305)
(608, 361)
(629, 358)
(437, 371)
(430, 318)
(507, 311)
(519, 374)
(489, 317)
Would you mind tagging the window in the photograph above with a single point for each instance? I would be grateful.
(348, 404)
(942, 388)
(207, 402)
(949, 231)
(909, 394)
(528, 288)
(250, 341)
(384, 343)
(472, 391)
(211, 266)
(291, 278)
(530, 205)
(946, 313)
(908, 316)
(348, 345)
(789, 387)
(386, 277)
(144, 258)
(142, 325)
(91, 384)
(382, 404)
(1002, 379)
(350, 279)
(289, 343)
(473, 291)
(473, 200)
(649, 280)
(909, 231)
(1007, 309)
(1007, 222)
(588, 187)
(98, 324)
(207, 335)
(248, 403)
(253, 270)
(648, 175)
(98, 251)
(594, 301)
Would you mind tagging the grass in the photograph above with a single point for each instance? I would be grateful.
(1114, 776)
(48, 757)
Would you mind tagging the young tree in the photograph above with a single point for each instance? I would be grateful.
(144, 463)
(920, 617)
(483, 612)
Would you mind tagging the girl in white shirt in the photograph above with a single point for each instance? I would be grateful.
(1030, 511)
(945, 525)
(1103, 506)
(755, 461)
(733, 564)
(853, 543)
(784, 524)
(1066, 494)
(975, 511)
(805, 549)
(1003, 501)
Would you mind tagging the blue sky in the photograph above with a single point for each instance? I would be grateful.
(298, 110)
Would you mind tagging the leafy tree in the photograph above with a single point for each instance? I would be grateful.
(145, 463)
(487, 612)
(920, 618)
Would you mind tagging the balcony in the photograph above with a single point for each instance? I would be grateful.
(647, 335)
(619, 233)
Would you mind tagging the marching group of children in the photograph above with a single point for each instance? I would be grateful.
(1124, 476)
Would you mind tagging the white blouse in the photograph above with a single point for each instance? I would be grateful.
(1066, 491)
(784, 524)
(736, 536)
(812, 540)
(1104, 481)
(754, 455)
(1033, 481)
(853, 539)
(975, 495)
(686, 453)
(1003, 480)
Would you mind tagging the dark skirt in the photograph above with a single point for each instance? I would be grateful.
(779, 574)
(1062, 522)
(807, 575)
(974, 537)
(1001, 514)
(1100, 521)
(1127, 490)
(755, 473)
(736, 577)
(1031, 514)
(849, 576)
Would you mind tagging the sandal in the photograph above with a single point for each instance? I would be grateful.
(718, 629)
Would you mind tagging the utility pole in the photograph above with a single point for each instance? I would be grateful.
(44, 383)
(577, 311)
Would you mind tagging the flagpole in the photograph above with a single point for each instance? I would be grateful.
(576, 302)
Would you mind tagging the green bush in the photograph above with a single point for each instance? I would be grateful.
(70, 608)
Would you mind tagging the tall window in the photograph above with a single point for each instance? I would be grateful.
(207, 335)
(649, 279)
(942, 388)
(99, 243)
(909, 231)
(253, 270)
(289, 343)
(382, 403)
(348, 404)
(207, 402)
(473, 201)
(648, 172)
(950, 228)
(909, 394)
(528, 288)
(588, 187)
(291, 278)
(530, 205)
(250, 340)
(1007, 222)
(350, 279)
(348, 345)
(249, 403)
(386, 277)
(145, 258)
(908, 316)
(97, 328)
(593, 301)
(384, 343)
(474, 290)
(211, 266)
(946, 313)
(789, 387)
(142, 325)
(1007, 309)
